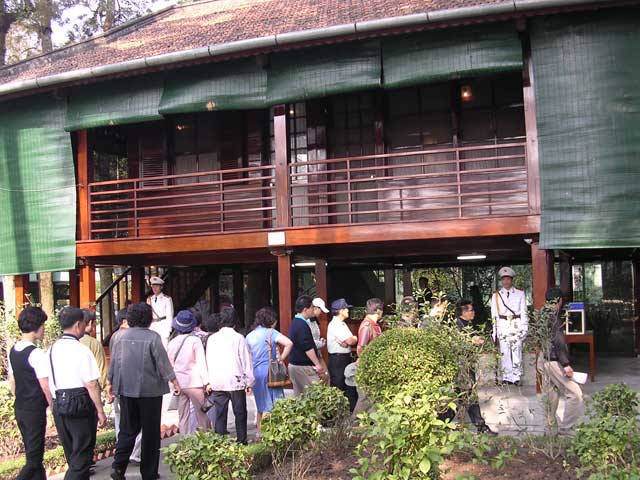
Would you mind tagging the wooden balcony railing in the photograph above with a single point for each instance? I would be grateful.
(205, 202)
(437, 184)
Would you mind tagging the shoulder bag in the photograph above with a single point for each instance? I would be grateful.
(70, 402)
(278, 376)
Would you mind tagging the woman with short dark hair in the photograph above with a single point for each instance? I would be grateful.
(265, 343)
(29, 382)
(139, 374)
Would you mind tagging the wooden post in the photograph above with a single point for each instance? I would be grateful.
(285, 291)
(531, 128)
(566, 277)
(138, 285)
(322, 291)
(542, 273)
(407, 283)
(283, 211)
(74, 288)
(635, 268)
(389, 286)
(84, 177)
(87, 286)
(21, 283)
(238, 293)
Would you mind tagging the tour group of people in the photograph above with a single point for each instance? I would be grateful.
(203, 364)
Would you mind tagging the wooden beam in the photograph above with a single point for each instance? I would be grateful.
(281, 140)
(322, 291)
(21, 285)
(74, 288)
(138, 284)
(84, 178)
(87, 286)
(317, 235)
(542, 273)
(285, 291)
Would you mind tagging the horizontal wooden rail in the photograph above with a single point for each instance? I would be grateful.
(437, 184)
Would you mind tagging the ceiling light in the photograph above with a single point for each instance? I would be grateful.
(473, 256)
(466, 93)
(304, 264)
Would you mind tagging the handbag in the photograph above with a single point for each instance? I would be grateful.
(278, 375)
(208, 403)
(70, 402)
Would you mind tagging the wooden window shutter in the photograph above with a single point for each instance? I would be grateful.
(153, 157)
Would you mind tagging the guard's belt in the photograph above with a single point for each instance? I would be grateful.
(507, 317)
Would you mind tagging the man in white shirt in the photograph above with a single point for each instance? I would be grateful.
(29, 382)
(340, 340)
(230, 369)
(319, 307)
(162, 307)
(74, 375)
(510, 325)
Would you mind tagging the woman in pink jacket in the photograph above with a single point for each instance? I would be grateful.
(186, 354)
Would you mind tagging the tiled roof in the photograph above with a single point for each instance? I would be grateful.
(208, 22)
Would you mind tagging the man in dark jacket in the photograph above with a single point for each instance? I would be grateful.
(465, 314)
(556, 368)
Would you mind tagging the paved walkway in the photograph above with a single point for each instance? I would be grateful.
(510, 410)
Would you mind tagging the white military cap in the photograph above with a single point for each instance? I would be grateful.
(506, 272)
(156, 281)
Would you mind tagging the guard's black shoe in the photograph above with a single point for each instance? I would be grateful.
(486, 429)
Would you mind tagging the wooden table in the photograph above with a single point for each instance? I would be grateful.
(588, 339)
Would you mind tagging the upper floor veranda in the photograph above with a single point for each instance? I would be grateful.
(444, 151)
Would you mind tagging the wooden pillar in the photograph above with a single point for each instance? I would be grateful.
(285, 291)
(87, 286)
(566, 277)
(542, 273)
(74, 288)
(138, 285)
(283, 210)
(635, 269)
(389, 286)
(21, 283)
(84, 177)
(238, 293)
(407, 283)
(322, 291)
(531, 128)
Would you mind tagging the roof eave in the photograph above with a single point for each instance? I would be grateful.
(247, 45)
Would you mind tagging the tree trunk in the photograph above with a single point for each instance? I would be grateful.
(46, 293)
(9, 292)
(110, 15)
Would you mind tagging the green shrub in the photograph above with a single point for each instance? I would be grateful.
(208, 456)
(11, 443)
(289, 427)
(607, 444)
(405, 357)
(328, 403)
(616, 399)
(404, 438)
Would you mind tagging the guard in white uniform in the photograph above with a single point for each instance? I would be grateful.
(162, 307)
(510, 325)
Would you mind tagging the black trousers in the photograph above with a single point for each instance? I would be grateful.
(238, 400)
(78, 439)
(32, 425)
(138, 414)
(473, 409)
(337, 363)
